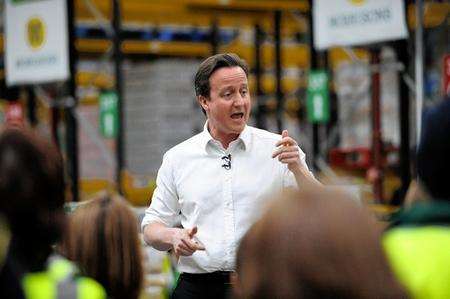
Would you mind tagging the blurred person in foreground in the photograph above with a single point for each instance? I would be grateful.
(418, 242)
(31, 198)
(215, 183)
(10, 286)
(102, 238)
(315, 244)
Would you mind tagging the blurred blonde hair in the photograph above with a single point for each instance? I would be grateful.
(316, 243)
(102, 238)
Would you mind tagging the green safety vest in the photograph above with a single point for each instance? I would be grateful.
(60, 280)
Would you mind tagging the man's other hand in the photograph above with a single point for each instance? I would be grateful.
(184, 242)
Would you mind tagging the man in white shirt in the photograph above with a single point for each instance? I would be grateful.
(214, 184)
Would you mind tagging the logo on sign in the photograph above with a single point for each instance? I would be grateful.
(357, 2)
(35, 33)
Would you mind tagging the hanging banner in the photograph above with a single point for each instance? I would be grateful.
(109, 115)
(36, 41)
(357, 22)
(318, 103)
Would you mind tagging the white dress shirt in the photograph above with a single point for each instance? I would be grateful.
(194, 189)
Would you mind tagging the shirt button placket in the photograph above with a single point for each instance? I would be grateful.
(229, 217)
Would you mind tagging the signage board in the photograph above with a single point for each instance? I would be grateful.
(36, 47)
(357, 22)
(108, 114)
(318, 104)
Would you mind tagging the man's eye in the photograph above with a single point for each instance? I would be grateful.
(244, 91)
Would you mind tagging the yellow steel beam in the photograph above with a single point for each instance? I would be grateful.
(188, 49)
(250, 5)
(435, 14)
(185, 13)
(100, 80)
(92, 45)
(154, 12)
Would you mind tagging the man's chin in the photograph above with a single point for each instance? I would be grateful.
(238, 129)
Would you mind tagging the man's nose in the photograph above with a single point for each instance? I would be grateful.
(239, 101)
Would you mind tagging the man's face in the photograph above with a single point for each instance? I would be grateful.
(228, 107)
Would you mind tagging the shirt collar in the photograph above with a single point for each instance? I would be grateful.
(205, 137)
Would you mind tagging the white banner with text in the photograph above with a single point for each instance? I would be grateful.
(357, 22)
(36, 41)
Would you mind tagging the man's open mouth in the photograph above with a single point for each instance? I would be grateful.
(237, 115)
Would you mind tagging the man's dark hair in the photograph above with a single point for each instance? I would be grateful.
(31, 194)
(212, 64)
(433, 153)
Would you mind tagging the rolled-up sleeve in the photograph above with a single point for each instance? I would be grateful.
(164, 207)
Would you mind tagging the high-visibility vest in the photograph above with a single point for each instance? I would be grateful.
(420, 258)
(417, 246)
(60, 280)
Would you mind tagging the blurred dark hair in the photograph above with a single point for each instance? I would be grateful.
(31, 192)
(315, 244)
(209, 66)
(433, 153)
(102, 238)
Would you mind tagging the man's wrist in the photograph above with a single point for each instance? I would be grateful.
(172, 232)
(299, 170)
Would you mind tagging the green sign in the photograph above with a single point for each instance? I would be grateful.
(317, 103)
(109, 117)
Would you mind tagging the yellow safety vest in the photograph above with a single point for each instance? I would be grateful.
(418, 249)
(60, 280)
(420, 258)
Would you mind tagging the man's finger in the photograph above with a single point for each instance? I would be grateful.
(289, 160)
(284, 149)
(286, 141)
(182, 249)
(189, 244)
(184, 246)
(288, 155)
(184, 252)
(193, 244)
(192, 231)
(284, 133)
(199, 244)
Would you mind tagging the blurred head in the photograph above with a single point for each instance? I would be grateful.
(221, 87)
(31, 187)
(103, 239)
(314, 244)
(433, 154)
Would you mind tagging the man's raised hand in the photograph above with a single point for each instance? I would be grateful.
(288, 152)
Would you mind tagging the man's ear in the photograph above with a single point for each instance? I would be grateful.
(203, 101)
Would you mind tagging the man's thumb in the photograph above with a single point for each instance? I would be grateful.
(192, 231)
(284, 134)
